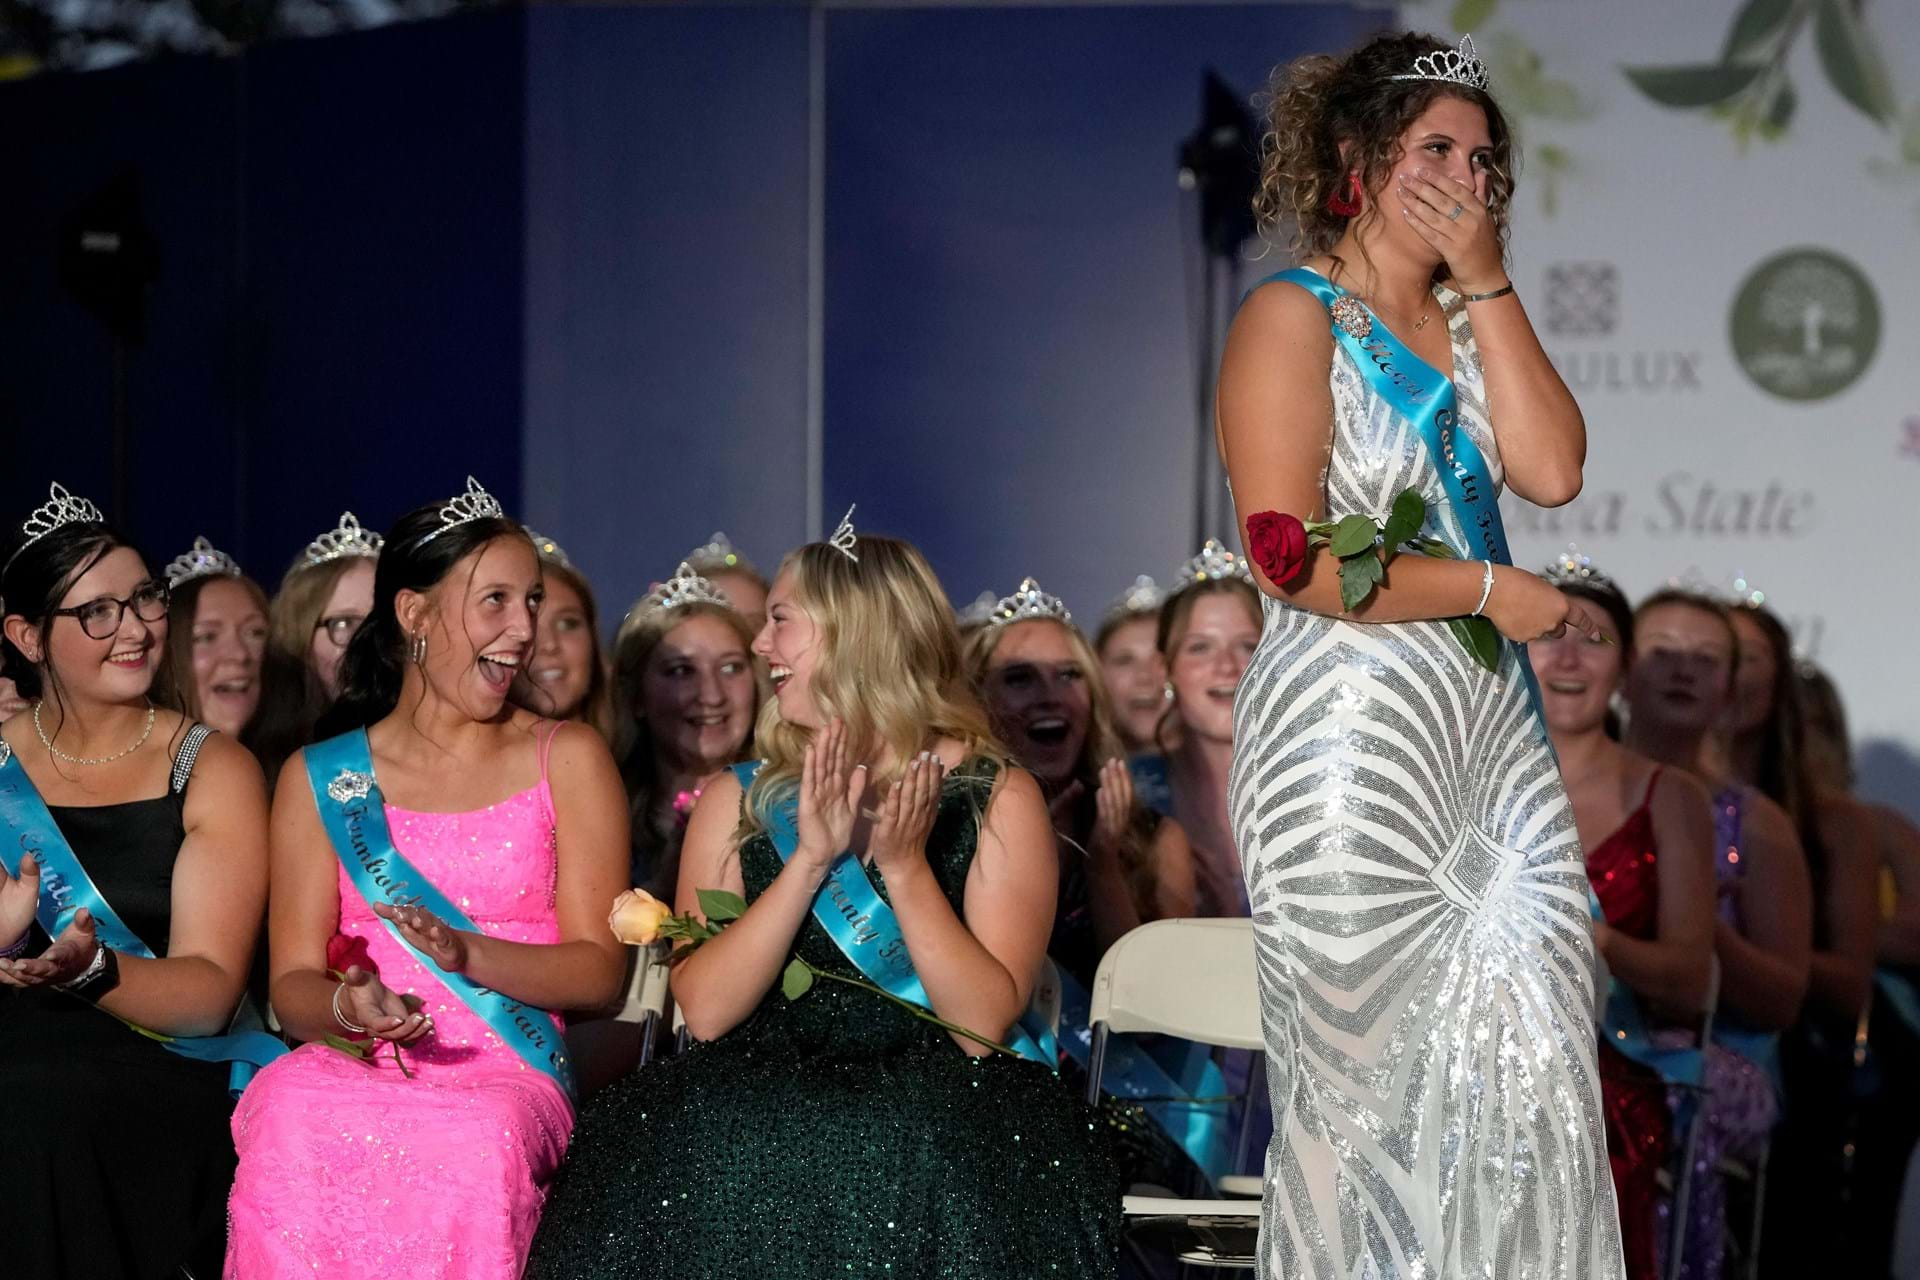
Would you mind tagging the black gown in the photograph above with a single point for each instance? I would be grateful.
(837, 1135)
(116, 1159)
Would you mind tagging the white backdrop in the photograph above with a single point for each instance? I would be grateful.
(1732, 290)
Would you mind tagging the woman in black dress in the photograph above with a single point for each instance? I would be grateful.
(116, 1157)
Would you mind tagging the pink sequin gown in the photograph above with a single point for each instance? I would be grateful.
(352, 1169)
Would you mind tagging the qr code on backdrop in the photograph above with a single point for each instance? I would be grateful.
(1583, 299)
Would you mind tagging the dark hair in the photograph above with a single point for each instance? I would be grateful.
(1702, 602)
(1320, 103)
(596, 705)
(36, 576)
(1613, 601)
(420, 551)
(1781, 772)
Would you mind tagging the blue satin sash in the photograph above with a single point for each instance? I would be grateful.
(1165, 1084)
(352, 810)
(1425, 397)
(65, 887)
(868, 933)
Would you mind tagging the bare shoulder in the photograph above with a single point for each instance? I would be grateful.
(222, 763)
(575, 743)
(1681, 795)
(1283, 314)
(1015, 792)
(1766, 828)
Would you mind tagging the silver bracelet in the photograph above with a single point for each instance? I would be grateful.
(340, 1017)
(1486, 587)
(1501, 292)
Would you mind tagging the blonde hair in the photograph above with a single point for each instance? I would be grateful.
(1102, 745)
(887, 664)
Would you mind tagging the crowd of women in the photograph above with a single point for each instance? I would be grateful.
(1078, 790)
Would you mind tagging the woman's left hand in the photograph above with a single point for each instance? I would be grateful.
(905, 818)
(1450, 216)
(1113, 806)
(64, 961)
(427, 933)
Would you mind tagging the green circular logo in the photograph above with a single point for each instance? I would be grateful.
(1806, 324)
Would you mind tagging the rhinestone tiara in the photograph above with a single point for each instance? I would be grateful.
(60, 508)
(1574, 566)
(980, 612)
(718, 553)
(475, 504)
(1213, 564)
(203, 561)
(345, 540)
(684, 587)
(1454, 66)
(844, 540)
(1746, 595)
(1028, 601)
(1144, 596)
(550, 551)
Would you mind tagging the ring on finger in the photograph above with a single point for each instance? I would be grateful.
(1458, 209)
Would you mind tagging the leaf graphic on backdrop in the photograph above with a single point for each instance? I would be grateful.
(1700, 84)
(1852, 62)
(1471, 14)
(1759, 23)
(1780, 109)
(1525, 87)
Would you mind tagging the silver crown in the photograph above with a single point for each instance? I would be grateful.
(1028, 601)
(475, 504)
(60, 508)
(684, 587)
(1213, 564)
(203, 561)
(550, 551)
(844, 540)
(718, 553)
(1572, 566)
(980, 612)
(344, 541)
(1746, 595)
(1454, 66)
(1144, 596)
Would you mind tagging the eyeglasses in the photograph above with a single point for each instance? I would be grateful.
(341, 628)
(101, 618)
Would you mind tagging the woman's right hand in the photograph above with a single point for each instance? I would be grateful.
(19, 899)
(1526, 607)
(386, 1015)
(830, 794)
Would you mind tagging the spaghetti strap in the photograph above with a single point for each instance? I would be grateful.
(1647, 800)
(544, 735)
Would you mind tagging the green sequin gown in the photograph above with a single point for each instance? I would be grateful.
(837, 1135)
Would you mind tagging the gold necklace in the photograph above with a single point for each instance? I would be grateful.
(58, 754)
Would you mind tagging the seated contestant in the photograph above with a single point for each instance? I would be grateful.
(217, 639)
(686, 694)
(722, 565)
(1677, 691)
(323, 599)
(1648, 835)
(1131, 665)
(836, 1133)
(1121, 864)
(1209, 628)
(11, 703)
(451, 857)
(566, 679)
(116, 1158)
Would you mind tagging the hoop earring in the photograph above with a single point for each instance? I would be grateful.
(417, 649)
(1345, 202)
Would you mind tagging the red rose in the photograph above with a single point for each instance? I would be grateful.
(344, 952)
(1278, 544)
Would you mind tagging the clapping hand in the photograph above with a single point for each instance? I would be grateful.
(440, 942)
(64, 961)
(830, 794)
(367, 1003)
(905, 818)
(1113, 806)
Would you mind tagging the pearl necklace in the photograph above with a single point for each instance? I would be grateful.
(58, 754)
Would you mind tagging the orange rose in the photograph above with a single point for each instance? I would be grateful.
(637, 916)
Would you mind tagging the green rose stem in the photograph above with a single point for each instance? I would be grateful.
(908, 1005)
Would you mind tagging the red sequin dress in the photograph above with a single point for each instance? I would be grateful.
(1624, 872)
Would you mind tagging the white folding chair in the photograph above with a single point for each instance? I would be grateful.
(1193, 979)
(1045, 1001)
(1683, 1188)
(646, 998)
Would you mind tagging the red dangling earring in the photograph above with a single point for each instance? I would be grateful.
(1345, 203)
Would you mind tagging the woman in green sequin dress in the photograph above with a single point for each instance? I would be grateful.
(837, 1134)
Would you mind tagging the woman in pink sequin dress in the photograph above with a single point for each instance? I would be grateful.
(440, 1169)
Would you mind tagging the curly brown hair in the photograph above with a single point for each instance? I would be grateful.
(1318, 104)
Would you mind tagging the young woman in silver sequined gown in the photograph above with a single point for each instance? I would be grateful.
(1425, 951)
